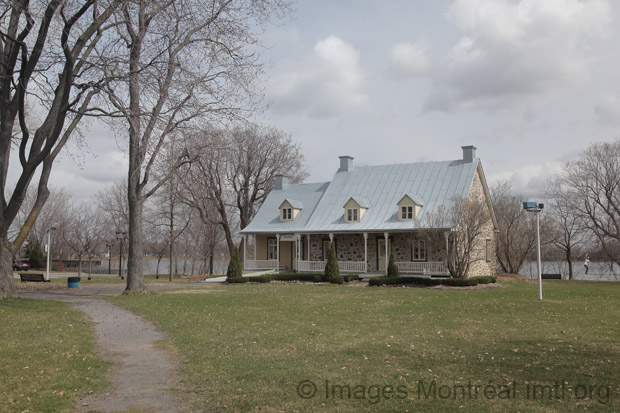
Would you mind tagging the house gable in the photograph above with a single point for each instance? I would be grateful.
(289, 209)
(408, 207)
(355, 209)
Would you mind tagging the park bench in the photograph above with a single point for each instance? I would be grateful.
(30, 277)
(551, 276)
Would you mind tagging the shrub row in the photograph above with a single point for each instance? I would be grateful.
(453, 282)
(310, 277)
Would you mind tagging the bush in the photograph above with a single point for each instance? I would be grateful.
(351, 277)
(392, 269)
(331, 267)
(337, 279)
(460, 282)
(265, 278)
(485, 279)
(298, 277)
(234, 267)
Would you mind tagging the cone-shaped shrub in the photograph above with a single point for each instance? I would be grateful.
(392, 270)
(331, 268)
(234, 267)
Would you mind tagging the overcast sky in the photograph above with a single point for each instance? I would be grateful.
(530, 83)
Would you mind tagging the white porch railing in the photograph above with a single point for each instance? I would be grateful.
(260, 265)
(422, 267)
(344, 266)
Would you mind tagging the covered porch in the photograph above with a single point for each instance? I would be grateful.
(357, 253)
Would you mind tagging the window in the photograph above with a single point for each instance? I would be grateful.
(352, 215)
(326, 243)
(272, 249)
(488, 250)
(287, 214)
(418, 250)
(406, 212)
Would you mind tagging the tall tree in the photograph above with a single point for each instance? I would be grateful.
(236, 170)
(45, 62)
(178, 60)
(593, 187)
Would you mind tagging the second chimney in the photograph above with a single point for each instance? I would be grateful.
(281, 182)
(469, 153)
(346, 163)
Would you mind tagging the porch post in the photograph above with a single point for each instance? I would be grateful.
(297, 252)
(308, 256)
(255, 242)
(245, 246)
(387, 240)
(365, 252)
(277, 252)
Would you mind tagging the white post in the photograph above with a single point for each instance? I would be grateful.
(387, 240)
(540, 297)
(255, 242)
(365, 252)
(245, 246)
(308, 256)
(49, 249)
(277, 252)
(297, 254)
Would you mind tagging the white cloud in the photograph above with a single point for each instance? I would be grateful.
(328, 83)
(410, 58)
(515, 52)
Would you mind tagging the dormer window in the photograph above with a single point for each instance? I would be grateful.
(352, 215)
(354, 210)
(289, 209)
(408, 207)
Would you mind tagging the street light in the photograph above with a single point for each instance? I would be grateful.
(537, 208)
(109, 245)
(120, 236)
(48, 249)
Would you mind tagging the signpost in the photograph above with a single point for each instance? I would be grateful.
(537, 208)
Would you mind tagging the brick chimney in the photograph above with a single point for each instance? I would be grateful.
(346, 163)
(469, 153)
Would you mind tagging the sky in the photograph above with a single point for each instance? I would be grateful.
(530, 83)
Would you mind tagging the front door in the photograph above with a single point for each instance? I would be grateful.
(382, 255)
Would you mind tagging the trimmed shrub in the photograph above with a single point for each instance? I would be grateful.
(351, 277)
(331, 267)
(485, 279)
(298, 277)
(392, 269)
(236, 280)
(460, 282)
(265, 278)
(338, 279)
(234, 267)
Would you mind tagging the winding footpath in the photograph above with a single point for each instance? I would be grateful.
(144, 377)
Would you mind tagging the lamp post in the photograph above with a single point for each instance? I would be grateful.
(109, 245)
(49, 249)
(120, 236)
(537, 208)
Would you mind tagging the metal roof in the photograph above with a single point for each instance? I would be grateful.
(381, 188)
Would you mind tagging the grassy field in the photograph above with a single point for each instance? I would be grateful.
(293, 347)
(47, 358)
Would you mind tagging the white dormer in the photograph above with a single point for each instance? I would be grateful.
(289, 209)
(408, 207)
(354, 209)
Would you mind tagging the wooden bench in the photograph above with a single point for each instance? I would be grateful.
(551, 276)
(33, 277)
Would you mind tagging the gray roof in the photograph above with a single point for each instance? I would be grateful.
(380, 188)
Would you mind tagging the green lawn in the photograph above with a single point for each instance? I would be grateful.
(46, 357)
(395, 349)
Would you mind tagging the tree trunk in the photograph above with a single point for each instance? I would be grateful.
(7, 288)
(171, 262)
(570, 265)
(135, 255)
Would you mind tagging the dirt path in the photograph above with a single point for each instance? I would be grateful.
(144, 377)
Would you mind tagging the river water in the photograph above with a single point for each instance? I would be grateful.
(599, 271)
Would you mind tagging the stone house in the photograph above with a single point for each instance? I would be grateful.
(370, 212)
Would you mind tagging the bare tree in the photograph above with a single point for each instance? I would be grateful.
(45, 61)
(236, 171)
(568, 230)
(460, 231)
(82, 235)
(517, 228)
(178, 60)
(112, 204)
(593, 186)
